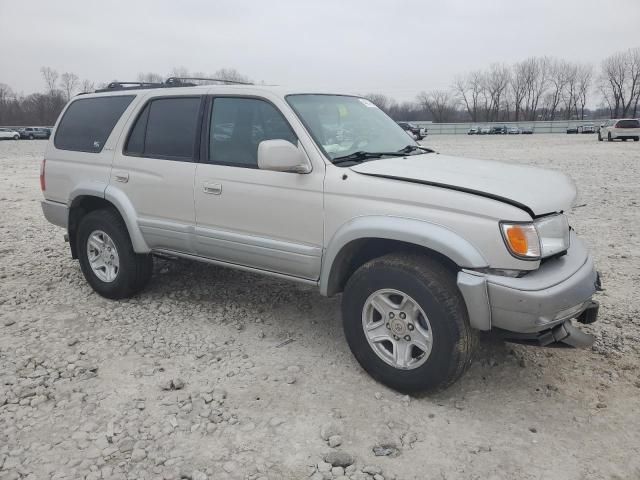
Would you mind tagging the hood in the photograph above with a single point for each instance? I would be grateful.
(535, 190)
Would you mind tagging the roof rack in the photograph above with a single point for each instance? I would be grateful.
(184, 81)
(129, 86)
(170, 82)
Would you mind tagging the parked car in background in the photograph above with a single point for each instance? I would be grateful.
(498, 130)
(623, 129)
(32, 133)
(8, 134)
(513, 131)
(485, 131)
(572, 129)
(473, 131)
(418, 132)
(588, 128)
(526, 130)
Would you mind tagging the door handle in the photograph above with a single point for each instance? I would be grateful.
(122, 177)
(212, 188)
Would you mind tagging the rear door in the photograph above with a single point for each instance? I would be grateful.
(155, 169)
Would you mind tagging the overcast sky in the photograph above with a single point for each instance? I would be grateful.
(394, 47)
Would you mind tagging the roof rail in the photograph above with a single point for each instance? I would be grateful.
(184, 81)
(129, 86)
(170, 82)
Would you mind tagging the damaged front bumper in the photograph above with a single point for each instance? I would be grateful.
(538, 307)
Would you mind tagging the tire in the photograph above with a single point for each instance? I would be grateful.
(635, 139)
(599, 137)
(624, 139)
(609, 139)
(134, 270)
(16, 137)
(433, 289)
(31, 137)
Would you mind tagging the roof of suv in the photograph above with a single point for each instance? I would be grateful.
(277, 90)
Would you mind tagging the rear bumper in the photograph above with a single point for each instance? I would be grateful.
(559, 290)
(55, 212)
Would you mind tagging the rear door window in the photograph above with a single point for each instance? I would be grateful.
(88, 122)
(167, 128)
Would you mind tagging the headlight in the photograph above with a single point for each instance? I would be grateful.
(542, 238)
(554, 234)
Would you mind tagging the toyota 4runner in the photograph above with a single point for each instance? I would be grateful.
(324, 189)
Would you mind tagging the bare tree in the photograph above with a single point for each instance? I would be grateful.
(620, 81)
(231, 74)
(179, 72)
(87, 86)
(518, 87)
(150, 77)
(50, 78)
(381, 101)
(69, 83)
(496, 81)
(439, 103)
(468, 90)
(536, 71)
(584, 74)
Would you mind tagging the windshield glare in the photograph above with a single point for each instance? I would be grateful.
(342, 125)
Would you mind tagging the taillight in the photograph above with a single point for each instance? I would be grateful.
(43, 183)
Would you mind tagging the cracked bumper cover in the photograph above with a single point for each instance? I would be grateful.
(559, 290)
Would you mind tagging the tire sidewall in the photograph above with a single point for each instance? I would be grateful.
(121, 284)
(435, 370)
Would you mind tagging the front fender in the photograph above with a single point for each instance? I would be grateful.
(429, 235)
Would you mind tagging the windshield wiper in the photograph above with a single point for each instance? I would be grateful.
(361, 156)
(412, 148)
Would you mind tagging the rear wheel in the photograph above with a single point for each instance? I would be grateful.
(624, 139)
(31, 137)
(406, 323)
(107, 258)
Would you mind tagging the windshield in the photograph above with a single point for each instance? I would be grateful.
(343, 125)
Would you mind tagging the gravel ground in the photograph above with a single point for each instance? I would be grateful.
(218, 374)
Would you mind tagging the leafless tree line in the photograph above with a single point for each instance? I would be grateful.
(538, 88)
(43, 108)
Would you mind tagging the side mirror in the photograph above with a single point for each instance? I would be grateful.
(282, 156)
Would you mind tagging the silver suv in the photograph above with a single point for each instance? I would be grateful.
(324, 189)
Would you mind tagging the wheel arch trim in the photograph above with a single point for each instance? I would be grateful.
(421, 233)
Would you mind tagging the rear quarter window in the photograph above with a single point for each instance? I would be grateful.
(88, 122)
(628, 124)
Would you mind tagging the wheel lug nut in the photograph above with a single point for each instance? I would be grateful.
(388, 326)
(391, 315)
(402, 315)
(395, 337)
(407, 338)
(410, 326)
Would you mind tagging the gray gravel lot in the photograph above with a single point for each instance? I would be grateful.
(194, 378)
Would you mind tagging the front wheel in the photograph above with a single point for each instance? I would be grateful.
(599, 137)
(609, 139)
(406, 323)
(635, 139)
(107, 259)
(16, 137)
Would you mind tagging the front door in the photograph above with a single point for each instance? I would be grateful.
(156, 170)
(267, 220)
